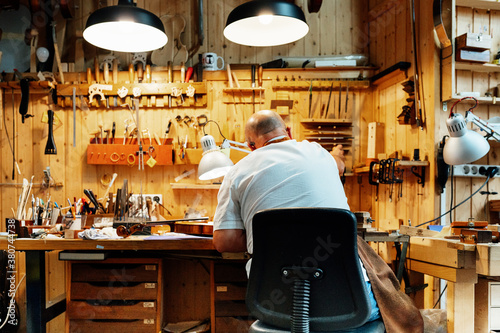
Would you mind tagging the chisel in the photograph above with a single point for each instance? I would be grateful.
(329, 99)
(340, 98)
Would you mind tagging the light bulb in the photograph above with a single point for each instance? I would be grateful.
(42, 54)
(265, 19)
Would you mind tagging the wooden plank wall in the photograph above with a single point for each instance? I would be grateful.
(390, 27)
(348, 35)
(460, 188)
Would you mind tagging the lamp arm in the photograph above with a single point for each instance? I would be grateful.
(483, 125)
(228, 144)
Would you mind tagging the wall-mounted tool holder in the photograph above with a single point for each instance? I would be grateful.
(390, 171)
(329, 133)
(171, 95)
(127, 154)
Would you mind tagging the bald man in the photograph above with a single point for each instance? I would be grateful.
(281, 173)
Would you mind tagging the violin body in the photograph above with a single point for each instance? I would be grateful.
(194, 228)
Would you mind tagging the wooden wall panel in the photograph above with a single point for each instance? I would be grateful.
(380, 30)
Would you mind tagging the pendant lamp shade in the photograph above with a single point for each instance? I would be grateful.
(266, 23)
(125, 28)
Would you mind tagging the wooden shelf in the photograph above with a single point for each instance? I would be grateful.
(488, 68)
(480, 4)
(184, 186)
(483, 100)
(244, 90)
(342, 122)
(322, 84)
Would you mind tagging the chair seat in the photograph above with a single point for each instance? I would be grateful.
(376, 326)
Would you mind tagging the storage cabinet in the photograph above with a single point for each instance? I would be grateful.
(229, 313)
(462, 77)
(487, 306)
(114, 295)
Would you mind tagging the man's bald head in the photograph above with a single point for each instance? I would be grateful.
(263, 126)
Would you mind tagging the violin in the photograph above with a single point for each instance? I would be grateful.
(194, 228)
(125, 231)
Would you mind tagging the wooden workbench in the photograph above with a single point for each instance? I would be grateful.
(460, 264)
(38, 313)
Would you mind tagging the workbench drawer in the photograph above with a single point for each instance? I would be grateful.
(230, 291)
(114, 272)
(112, 326)
(105, 309)
(114, 290)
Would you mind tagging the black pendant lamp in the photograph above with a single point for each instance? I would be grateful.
(266, 23)
(125, 28)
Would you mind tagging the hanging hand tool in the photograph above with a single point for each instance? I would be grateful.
(89, 75)
(25, 95)
(131, 73)
(189, 72)
(74, 116)
(183, 72)
(259, 78)
(139, 139)
(105, 197)
(253, 86)
(148, 74)
(140, 72)
(169, 80)
(106, 72)
(96, 70)
(115, 70)
(310, 98)
(329, 99)
(346, 96)
(340, 98)
(56, 53)
(167, 131)
(113, 131)
(50, 147)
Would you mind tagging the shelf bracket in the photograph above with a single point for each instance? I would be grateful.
(421, 176)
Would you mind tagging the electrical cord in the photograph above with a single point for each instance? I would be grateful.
(490, 172)
(440, 295)
(11, 304)
(213, 121)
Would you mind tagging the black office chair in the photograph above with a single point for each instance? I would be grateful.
(306, 274)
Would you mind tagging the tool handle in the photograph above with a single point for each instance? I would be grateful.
(106, 72)
(253, 76)
(140, 72)
(115, 71)
(89, 75)
(131, 73)
(25, 95)
(96, 69)
(261, 70)
(148, 73)
(229, 76)
(189, 73)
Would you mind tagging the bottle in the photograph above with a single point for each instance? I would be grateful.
(497, 58)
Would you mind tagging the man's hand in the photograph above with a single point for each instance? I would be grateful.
(338, 154)
(230, 240)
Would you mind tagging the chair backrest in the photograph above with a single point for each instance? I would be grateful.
(318, 238)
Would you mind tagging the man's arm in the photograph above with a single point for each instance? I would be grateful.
(338, 154)
(230, 240)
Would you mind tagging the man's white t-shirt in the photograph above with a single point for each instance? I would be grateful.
(279, 175)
